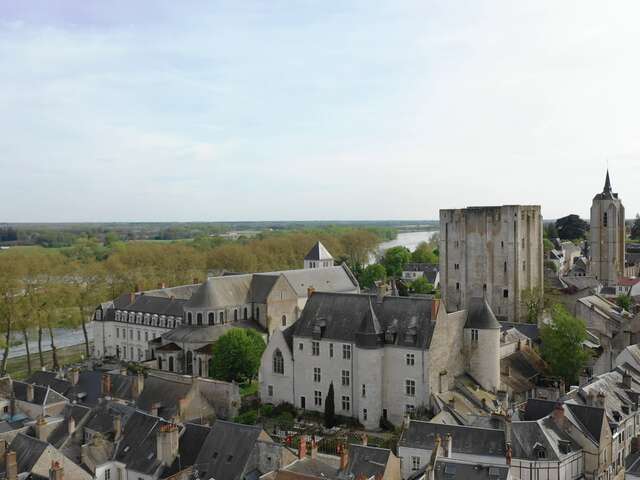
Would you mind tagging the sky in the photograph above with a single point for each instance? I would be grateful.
(314, 110)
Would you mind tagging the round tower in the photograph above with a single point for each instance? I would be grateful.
(482, 342)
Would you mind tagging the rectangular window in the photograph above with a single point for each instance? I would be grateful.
(146, 336)
(138, 335)
(316, 374)
(346, 403)
(415, 463)
(364, 390)
(346, 380)
(117, 333)
(270, 390)
(524, 265)
(130, 334)
(474, 335)
(505, 267)
(315, 348)
(331, 350)
(107, 474)
(523, 243)
(317, 398)
(410, 388)
(346, 352)
(364, 414)
(300, 346)
(411, 359)
(457, 285)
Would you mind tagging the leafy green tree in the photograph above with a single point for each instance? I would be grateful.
(395, 259)
(635, 228)
(424, 253)
(550, 231)
(547, 245)
(330, 408)
(624, 301)
(571, 227)
(532, 304)
(371, 274)
(236, 355)
(562, 347)
(421, 285)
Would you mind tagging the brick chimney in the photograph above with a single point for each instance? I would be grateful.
(182, 407)
(132, 297)
(448, 445)
(365, 439)
(137, 386)
(508, 454)
(10, 465)
(314, 447)
(381, 291)
(73, 376)
(344, 457)
(71, 425)
(106, 385)
(310, 291)
(56, 472)
(30, 392)
(41, 428)
(558, 415)
(117, 427)
(302, 448)
(167, 443)
(435, 307)
(155, 407)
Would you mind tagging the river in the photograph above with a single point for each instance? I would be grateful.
(405, 239)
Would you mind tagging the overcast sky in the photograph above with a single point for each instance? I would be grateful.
(294, 110)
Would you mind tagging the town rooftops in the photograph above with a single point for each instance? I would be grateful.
(205, 333)
(628, 281)
(405, 321)
(149, 303)
(318, 252)
(221, 291)
(367, 461)
(480, 316)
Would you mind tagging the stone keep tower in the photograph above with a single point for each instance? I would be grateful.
(607, 236)
(482, 344)
(491, 252)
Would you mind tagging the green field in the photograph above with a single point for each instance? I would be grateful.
(17, 367)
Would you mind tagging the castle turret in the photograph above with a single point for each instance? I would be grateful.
(607, 236)
(318, 257)
(482, 342)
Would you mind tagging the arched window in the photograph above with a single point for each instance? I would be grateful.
(284, 320)
(209, 367)
(159, 363)
(278, 362)
(189, 318)
(200, 367)
(199, 318)
(221, 317)
(189, 362)
(212, 318)
(235, 315)
(171, 364)
(245, 313)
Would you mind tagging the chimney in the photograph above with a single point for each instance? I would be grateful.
(507, 428)
(123, 371)
(117, 428)
(10, 465)
(167, 443)
(41, 428)
(161, 285)
(381, 291)
(452, 402)
(302, 448)
(435, 307)
(73, 376)
(155, 407)
(344, 458)
(558, 415)
(365, 440)
(508, 454)
(314, 447)
(626, 380)
(30, 392)
(138, 385)
(182, 408)
(310, 291)
(3, 448)
(507, 370)
(56, 472)
(132, 297)
(600, 399)
(71, 425)
(195, 280)
(448, 441)
(106, 385)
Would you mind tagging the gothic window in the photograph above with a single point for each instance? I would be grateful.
(278, 362)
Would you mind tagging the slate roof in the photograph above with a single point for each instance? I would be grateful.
(536, 408)
(480, 316)
(581, 283)
(452, 469)
(86, 391)
(318, 252)
(528, 435)
(339, 316)
(164, 392)
(531, 330)
(101, 417)
(191, 441)
(169, 347)
(137, 447)
(330, 279)
(149, 303)
(206, 333)
(367, 461)
(311, 468)
(590, 418)
(42, 395)
(226, 450)
(28, 451)
(61, 432)
(469, 440)
(222, 291)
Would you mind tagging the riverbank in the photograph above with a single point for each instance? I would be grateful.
(17, 366)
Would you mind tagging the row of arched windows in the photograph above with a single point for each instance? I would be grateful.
(154, 320)
(211, 317)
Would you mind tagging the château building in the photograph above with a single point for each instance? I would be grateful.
(491, 252)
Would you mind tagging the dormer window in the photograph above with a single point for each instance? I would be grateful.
(540, 451)
(475, 335)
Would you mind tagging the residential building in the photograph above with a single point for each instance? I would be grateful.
(429, 271)
(492, 252)
(607, 236)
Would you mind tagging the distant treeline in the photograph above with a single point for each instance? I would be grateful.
(54, 235)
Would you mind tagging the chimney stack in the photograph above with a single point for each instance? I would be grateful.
(41, 428)
(381, 291)
(508, 454)
(117, 428)
(71, 425)
(10, 465)
(558, 415)
(182, 408)
(314, 447)
(448, 441)
(626, 380)
(138, 385)
(365, 439)
(302, 448)
(167, 443)
(600, 399)
(435, 307)
(106, 385)
(73, 376)
(310, 291)
(344, 457)
(132, 297)
(56, 472)
(30, 392)
(155, 407)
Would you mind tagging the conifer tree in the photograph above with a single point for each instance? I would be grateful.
(330, 409)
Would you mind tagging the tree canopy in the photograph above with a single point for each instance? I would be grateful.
(571, 227)
(421, 285)
(424, 253)
(395, 259)
(371, 274)
(562, 347)
(635, 228)
(236, 355)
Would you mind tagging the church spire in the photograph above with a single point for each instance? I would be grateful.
(607, 184)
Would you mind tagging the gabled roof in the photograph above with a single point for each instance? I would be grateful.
(150, 303)
(207, 333)
(226, 450)
(165, 393)
(590, 418)
(480, 316)
(137, 447)
(406, 319)
(28, 451)
(221, 292)
(318, 252)
(367, 461)
(527, 437)
(330, 279)
(536, 408)
(169, 347)
(191, 442)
